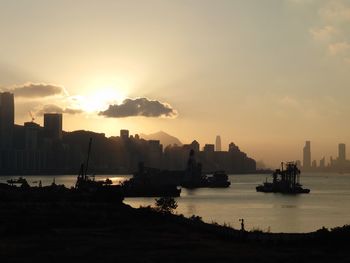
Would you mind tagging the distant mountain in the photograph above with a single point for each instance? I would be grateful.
(163, 137)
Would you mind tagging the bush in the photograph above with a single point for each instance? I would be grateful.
(166, 204)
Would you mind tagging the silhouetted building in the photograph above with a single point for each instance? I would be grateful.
(208, 148)
(341, 152)
(195, 146)
(124, 134)
(218, 143)
(314, 164)
(53, 125)
(7, 120)
(31, 135)
(307, 155)
(154, 155)
(323, 163)
(50, 150)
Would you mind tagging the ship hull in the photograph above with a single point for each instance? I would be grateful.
(273, 189)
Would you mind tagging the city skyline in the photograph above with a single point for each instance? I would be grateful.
(240, 69)
(53, 129)
(337, 163)
(53, 124)
(48, 149)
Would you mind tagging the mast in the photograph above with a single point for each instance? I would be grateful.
(88, 157)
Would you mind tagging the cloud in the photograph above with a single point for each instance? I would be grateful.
(335, 11)
(301, 1)
(37, 90)
(52, 108)
(333, 30)
(340, 48)
(323, 34)
(139, 107)
(72, 111)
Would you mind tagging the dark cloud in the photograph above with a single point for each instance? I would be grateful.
(51, 108)
(72, 111)
(139, 107)
(36, 90)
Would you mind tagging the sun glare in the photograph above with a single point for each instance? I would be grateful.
(99, 99)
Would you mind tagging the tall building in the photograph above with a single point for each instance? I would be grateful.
(323, 163)
(53, 125)
(314, 164)
(195, 146)
(307, 155)
(218, 143)
(7, 119)
(31, 135)
(208, 148)
(124, 134)
(233, 147)
(341, 152)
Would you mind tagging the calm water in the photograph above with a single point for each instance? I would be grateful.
(327, 205)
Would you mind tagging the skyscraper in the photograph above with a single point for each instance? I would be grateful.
(307, 155)
(124, 134)
(53, 125)
(341, 152)
(7, 119)
(218, 143)
(208, 148)
(195, 146)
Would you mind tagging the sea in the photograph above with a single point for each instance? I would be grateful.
(327, 205)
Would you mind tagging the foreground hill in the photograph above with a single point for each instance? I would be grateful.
(85, 232)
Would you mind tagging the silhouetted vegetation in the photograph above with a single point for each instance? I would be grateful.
(166, 204)
(114, 232)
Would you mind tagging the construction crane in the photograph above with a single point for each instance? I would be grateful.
(31, 116)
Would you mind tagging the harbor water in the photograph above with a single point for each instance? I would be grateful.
(327, 205)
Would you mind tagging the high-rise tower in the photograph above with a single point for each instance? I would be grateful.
(53, 125)
(218, 143)
(341, 152)
(7, 119)
(307, 155)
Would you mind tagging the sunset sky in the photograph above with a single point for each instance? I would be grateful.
(267, 75)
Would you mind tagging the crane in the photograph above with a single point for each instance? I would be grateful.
(31, 116)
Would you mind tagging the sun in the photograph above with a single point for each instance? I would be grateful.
(99, 99)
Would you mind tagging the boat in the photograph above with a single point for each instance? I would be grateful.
(89, 189)
(149, 182)
(20, 180)
(194, 178)
(86, 189)
(286, 181)
(218, 179)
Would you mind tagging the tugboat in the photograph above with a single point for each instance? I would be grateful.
(286, 181)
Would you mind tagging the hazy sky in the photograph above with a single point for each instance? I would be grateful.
(266, 75)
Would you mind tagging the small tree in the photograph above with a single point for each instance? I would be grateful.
(166, 204)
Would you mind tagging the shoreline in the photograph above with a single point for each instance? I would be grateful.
(242, 201)
(90, 232)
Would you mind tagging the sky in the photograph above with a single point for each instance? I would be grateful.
(266, 75)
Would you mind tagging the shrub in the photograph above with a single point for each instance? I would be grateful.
(166, 204)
